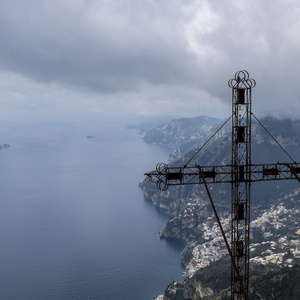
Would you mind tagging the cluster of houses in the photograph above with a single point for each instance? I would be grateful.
(273, 249)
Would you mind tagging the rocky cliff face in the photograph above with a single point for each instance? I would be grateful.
(275, 224)
(191, 289)
(181, 134)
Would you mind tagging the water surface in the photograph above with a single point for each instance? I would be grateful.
(73, 221)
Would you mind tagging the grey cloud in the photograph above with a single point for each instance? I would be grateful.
(157, 49)
(93, 44)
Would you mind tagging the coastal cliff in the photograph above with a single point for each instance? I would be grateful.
(275, 211)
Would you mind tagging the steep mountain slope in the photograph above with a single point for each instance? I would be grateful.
(275, 206)
(184, 131)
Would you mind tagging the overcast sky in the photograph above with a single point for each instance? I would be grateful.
(72, 58)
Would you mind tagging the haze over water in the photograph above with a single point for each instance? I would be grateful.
(73, 221)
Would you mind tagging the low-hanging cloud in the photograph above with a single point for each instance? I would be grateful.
(101, 45)
(155, 56)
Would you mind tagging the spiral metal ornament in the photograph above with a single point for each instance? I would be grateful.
(161, 185)
(159, 176)
(241, 80)
(161, 168)
(152, 177)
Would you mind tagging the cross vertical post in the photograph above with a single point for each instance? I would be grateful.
(240, 179)
(240, 173)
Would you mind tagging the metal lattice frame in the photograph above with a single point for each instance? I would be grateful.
(241, 169)
(240, 173)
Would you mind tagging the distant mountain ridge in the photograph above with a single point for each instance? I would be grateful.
(179, 132)
(275, 206)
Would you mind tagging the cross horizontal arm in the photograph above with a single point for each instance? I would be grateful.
(165, 176)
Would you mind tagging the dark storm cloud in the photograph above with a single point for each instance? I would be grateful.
(147, 56)
(103, 45)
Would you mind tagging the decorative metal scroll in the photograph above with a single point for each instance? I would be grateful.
(241, 80)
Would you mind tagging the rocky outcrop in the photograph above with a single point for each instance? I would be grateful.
(274, 225)
(183, 134)
(185, 225)
(4, 146)
(191, 289)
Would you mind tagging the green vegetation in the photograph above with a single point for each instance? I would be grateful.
(216, 276)
(277, 284)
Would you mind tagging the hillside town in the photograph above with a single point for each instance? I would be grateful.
(275, 246)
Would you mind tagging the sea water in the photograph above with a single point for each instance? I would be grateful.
(73, 221)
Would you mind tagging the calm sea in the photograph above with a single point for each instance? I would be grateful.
(73, 221)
